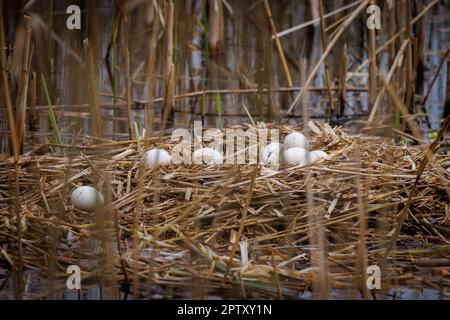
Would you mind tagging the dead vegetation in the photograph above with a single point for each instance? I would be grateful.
(233, 231)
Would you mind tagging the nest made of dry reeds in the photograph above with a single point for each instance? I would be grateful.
(233, 229)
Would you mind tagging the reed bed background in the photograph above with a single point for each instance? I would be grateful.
(80, 107)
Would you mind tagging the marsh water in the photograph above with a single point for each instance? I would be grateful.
(244, 58)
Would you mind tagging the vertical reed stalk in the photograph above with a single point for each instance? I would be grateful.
(286, 71)
(127, 77)
(316, 232)
(151, 75)
(342, 80)
(405, 211)
(327, 65)
(33, 102)
(361, 264)
(16, 153)
(436, 75)
(447, 88)
(93, 90)
(372, 66)
(169, 76)
(333, 41)
(23, 85)
(51, 114)
(50, 38)
(409, 98)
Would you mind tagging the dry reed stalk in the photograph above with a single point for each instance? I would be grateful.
(391, 42)
(127, 76)
(18, 272)
(137, 226)
(447, 88)
(242, 222)
(23, 85)
(104, 220)
(327, 65)
(405, 211)
(410, 81)
(216, 26)
(277, 280)
(361, 262)
(373, 66)
(419, 52)
(390, 18)
(169, 74)
(286, 71)
(343, 65)
(333, 41)
(398, 104)
(314, 21)
(316, 232)
(151, 64)
(93, 89)
(394, 67)
(6, 93)
(436, 74)
(33, 102)
(167, 228)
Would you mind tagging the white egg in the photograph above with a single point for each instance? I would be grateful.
(316, 155)
(86, 198)
(155, 157)
(296, 139)
(271, 148)
(274, 158)
(295, 156)
(208, 155)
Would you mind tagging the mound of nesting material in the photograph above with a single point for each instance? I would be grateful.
(176, 228)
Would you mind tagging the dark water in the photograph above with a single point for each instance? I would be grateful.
(246, 58)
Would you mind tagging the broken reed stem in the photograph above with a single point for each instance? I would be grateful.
(169, 77)
(404, 212)
(151, 74)
(394, 66)
(286, 71)
(333, 41)
(23, 85)
(93, 89)
(241, 224)
(127, 76)
(373, 66)
(438, 70)
(398, 104)
(327, 65)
